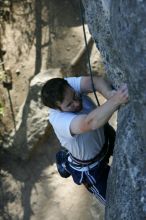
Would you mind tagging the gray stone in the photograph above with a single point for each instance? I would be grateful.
(119, 30)
(32, 122)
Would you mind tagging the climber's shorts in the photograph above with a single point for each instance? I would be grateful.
(93, 176)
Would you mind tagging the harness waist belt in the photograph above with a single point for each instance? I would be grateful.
(98, 157)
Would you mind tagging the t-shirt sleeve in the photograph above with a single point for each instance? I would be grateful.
(61, 124)
(74, 82)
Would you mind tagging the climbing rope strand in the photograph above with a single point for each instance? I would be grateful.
(82, 12)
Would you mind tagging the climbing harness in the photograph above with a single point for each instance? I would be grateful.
(61, 160)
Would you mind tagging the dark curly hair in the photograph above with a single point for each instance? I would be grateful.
(53, 91)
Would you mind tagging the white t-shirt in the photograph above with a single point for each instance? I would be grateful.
(83, 146)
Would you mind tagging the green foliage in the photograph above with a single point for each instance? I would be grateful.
(1, 109)
(2, 73)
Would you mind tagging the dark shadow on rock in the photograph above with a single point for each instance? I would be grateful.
(20, 140)
(38, 33)
(28, 173)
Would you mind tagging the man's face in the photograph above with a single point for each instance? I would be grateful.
(72, 101)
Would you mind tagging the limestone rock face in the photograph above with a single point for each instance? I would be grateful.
(119, 30)
(32, 121)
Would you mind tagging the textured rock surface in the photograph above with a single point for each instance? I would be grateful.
(31, 126)
(119, 30)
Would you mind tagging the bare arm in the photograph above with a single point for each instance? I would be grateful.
(99, 116)
(101, 85)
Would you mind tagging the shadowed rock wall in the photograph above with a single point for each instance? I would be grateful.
(119, 30)
(32, 124)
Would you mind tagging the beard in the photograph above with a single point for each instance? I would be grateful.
(79, 107)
